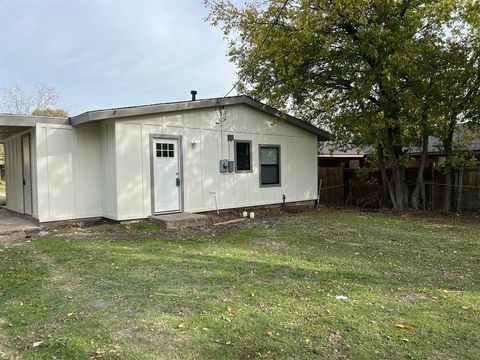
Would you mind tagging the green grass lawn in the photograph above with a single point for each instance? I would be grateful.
(264, 291)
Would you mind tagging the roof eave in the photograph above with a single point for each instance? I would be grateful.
(119, 113)
(31, 120)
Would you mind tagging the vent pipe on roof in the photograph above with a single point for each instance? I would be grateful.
(194, 95)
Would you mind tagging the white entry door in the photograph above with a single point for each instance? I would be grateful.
(27, 175)
(166, 175)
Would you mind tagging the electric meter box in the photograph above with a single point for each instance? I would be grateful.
(223, 166)
(227, 166)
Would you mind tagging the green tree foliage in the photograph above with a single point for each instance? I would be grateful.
(50, 112)
(372, 71)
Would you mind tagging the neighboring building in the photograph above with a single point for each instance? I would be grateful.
(131, 163)
(355, 158)
(347, 159)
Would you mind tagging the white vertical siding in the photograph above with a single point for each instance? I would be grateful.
(202, 178)
(69, 172)
(87, 155)
(61, 182)
(129, 159)
(108, 174)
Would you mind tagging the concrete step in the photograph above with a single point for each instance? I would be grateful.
(180, 221)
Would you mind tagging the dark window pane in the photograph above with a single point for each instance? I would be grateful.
(270, 174)
(270, 165)
(159, 153)
(171, 154)
(165, 146)
(269, 155)
(170, 147)
(158, 146)
(243, 156)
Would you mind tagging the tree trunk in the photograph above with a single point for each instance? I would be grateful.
(387, 187)
(459, 190)
(415, 199)
(398, 174)
(478, 188)
(448, 146)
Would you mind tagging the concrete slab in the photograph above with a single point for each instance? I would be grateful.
(180, 220)
(11, 223)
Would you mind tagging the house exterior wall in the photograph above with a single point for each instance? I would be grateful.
(74, 170)
(14, 172)
(104, 169)
(201, 176)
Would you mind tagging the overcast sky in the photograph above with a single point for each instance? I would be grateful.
(109, 53)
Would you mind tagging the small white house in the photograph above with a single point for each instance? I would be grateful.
(131, 163)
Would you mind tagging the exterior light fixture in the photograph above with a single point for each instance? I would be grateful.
(195, 142)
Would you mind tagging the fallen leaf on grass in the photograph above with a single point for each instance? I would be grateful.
(37, 344)
(404, 326)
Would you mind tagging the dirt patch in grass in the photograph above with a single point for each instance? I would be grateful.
(17, 238)
(138, 230)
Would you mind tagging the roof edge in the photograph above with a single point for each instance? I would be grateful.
(118, 113)
(31, 120)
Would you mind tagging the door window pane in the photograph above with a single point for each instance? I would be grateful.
(164, 150)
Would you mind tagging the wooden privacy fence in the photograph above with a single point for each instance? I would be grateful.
(331, 185)
(339, 186)
(465, 191)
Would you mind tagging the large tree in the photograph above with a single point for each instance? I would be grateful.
(459, 101)
(365, 68)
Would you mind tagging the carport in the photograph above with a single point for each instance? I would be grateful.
(18, 135)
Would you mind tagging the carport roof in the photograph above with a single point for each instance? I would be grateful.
(13, 124)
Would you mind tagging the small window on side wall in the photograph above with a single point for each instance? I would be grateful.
(243, 156)
(269, 165)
